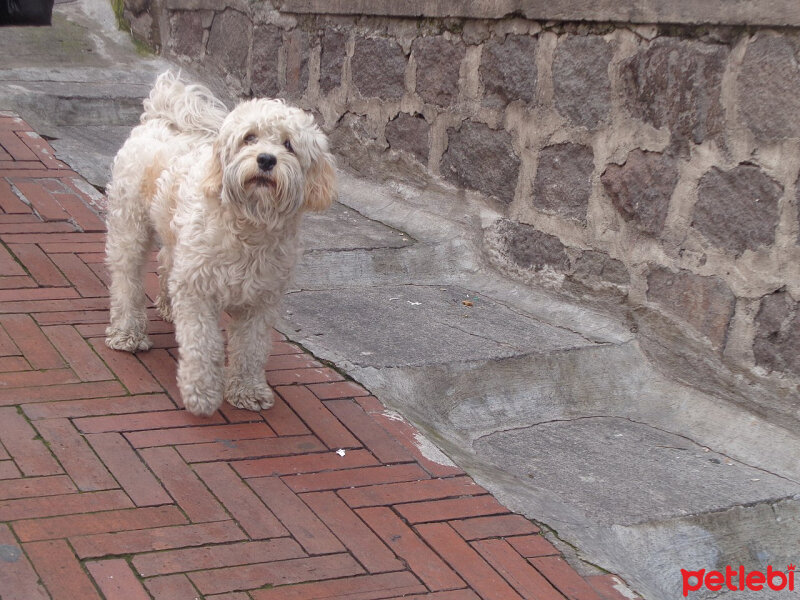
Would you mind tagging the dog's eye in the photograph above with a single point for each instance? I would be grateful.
(288, 145)
(250, 138)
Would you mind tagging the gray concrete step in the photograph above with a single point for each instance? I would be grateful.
(423, 325)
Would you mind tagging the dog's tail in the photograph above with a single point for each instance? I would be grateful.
(190, 108)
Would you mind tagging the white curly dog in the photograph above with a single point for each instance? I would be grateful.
(223, 192)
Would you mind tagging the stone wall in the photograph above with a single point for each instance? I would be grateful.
(653, 164)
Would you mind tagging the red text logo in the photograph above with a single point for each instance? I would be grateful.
(738, 579)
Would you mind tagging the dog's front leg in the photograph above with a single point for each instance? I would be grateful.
(249, 344)
(202, 353)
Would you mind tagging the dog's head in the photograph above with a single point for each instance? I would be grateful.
(270, 161)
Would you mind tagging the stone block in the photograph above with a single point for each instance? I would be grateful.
(228, 42)
(640, 190)
(594, 268)
(705, 303)
(409, 133)
(143, 28)
(737, 210)
(676, 83)
(777, 341)
(438, 63)
(218, 5)
(482, 159)
(508, 70)
(187, 33)
(378, 68)
(267, 42)
(769, 87)
(331, 59)
(563, 181)
(582, 88)
(529, 248)
(297, 48)
(137, 7)
(355, 144)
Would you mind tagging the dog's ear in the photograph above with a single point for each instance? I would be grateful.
(321, 189)
(212, 183)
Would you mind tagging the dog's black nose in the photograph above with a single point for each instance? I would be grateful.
(266, 161)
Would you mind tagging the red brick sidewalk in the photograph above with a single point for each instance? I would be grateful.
(109, 490)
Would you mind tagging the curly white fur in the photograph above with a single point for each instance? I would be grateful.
(189, 177)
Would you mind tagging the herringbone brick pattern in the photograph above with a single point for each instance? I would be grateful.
(108, 489)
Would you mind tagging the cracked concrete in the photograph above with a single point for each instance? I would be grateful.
(638, 460)
(602, 462)
(454, 332)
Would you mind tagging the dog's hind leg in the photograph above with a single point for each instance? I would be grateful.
(163, 302)
(128, 243)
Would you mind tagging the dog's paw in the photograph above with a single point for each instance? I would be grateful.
(164, 307)
(249, 398)
(201, 385)
(127, 340)
(201, 404)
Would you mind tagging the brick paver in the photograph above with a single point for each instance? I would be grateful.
(108, 489)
